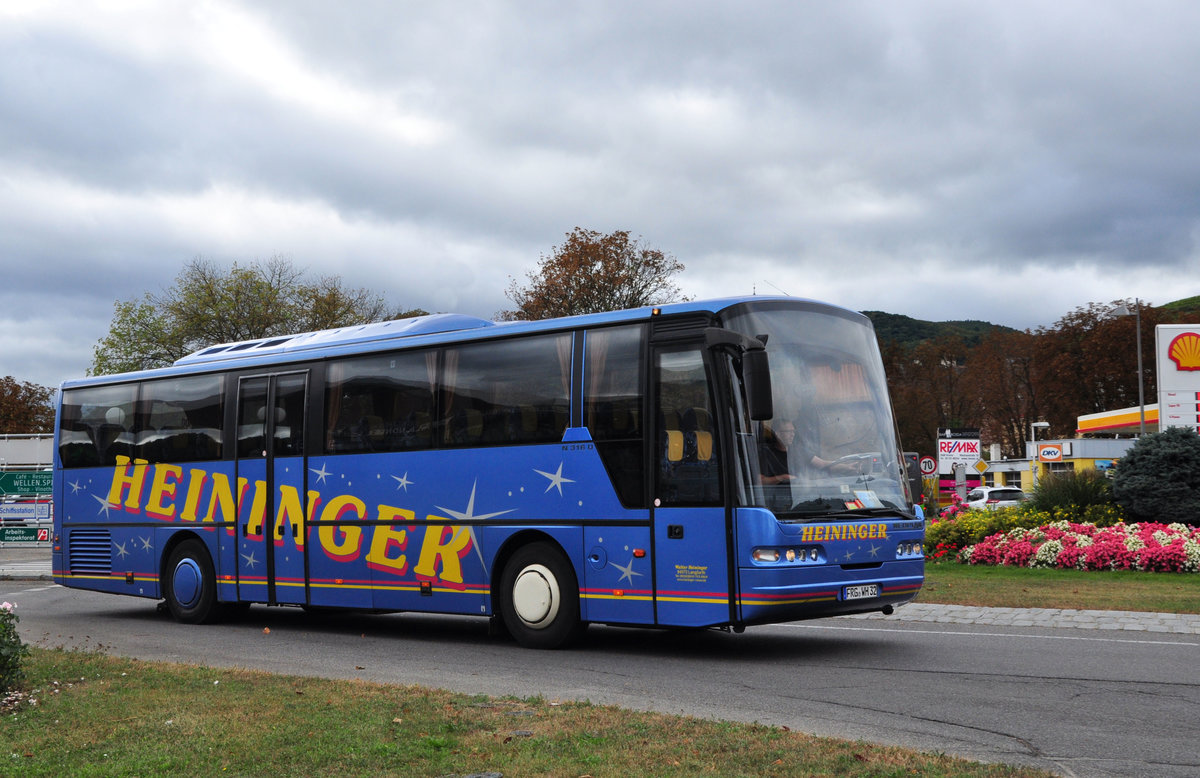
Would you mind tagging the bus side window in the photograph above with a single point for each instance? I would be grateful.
(613, 380)
(380, 403)
(506, 393)
(687, 471)
(97, 425)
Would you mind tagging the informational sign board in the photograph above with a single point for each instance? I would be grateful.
(24, 511)
(1177, 360)
(24, 534)
(958, 451)
(26, 482)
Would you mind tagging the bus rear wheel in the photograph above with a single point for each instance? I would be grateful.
(539, 597)
(189, 584)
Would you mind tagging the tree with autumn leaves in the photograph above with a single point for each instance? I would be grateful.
(1085, 363)
(25, 407)
(592, 273)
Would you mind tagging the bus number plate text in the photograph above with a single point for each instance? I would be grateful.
(860, 592)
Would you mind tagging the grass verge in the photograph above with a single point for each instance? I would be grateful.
(951, 583)
(100, 715)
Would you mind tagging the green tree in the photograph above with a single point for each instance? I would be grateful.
(25, 407)
(208, 305)
(1158, 479)
(591, 273)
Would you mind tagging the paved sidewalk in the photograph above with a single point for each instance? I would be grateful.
(22, 562)
(1136, 621)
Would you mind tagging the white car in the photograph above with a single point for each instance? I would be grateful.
(992, 497)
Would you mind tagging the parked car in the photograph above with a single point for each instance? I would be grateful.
(995, 497)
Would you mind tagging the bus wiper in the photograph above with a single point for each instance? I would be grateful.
(819, 505)
(823, 507)
(860, 512)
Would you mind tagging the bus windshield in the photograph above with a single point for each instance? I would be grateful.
(831, 447)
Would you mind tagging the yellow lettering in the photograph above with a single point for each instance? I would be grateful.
(447, 544)
(162, 488)
(387, 537)
(131, 477)
(191, 502)
(222, 498)
(347, 547)
(290, 513)
(258, 509)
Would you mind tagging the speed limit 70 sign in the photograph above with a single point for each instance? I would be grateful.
(928, 465)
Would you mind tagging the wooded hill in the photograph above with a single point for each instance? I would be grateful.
(907, 331)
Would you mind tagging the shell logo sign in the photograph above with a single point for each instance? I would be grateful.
(1184, 351)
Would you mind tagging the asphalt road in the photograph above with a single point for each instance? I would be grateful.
(1078, 702)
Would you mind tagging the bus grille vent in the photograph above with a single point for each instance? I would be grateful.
(90, 551)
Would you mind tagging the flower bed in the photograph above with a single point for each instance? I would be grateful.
(1167, 548)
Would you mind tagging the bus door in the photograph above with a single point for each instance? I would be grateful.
(692, 586)
(271, 531)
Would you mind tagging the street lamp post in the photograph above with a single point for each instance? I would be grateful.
(1034, 426)
(1123, 310)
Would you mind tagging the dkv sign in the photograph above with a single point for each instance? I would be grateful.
(957, 452)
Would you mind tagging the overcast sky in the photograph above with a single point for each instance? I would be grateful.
(1005, 161)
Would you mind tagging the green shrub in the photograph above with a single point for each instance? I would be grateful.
(972, 526)
(1079, 490)
(12, 650)
(1158, 479)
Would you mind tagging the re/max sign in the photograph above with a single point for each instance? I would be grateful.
(958, 447)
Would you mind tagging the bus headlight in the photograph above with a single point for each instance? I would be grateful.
(766, 555)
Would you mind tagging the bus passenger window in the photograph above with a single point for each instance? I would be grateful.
(380, 403)
(97, 425)
(507, 392)
(612, 386)
(687, 464)
(181, 419)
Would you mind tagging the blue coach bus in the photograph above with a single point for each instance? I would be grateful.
(722, 463)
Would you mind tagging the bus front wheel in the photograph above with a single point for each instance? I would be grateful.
(189, 585)
(540, 597)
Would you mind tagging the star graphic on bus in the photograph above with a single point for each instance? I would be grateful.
(146, 544)
(874, 551)
(250, 560)
(103, 504)
(469, 514)
(75, 487)
(627, 571)
(556, 478)
(122, 552)
(402, 481)
(321, 474)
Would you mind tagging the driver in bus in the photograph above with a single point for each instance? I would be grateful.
(774, 454)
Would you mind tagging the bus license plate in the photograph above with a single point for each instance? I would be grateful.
(860, 592)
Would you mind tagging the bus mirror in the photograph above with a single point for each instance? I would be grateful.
(756, 374)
